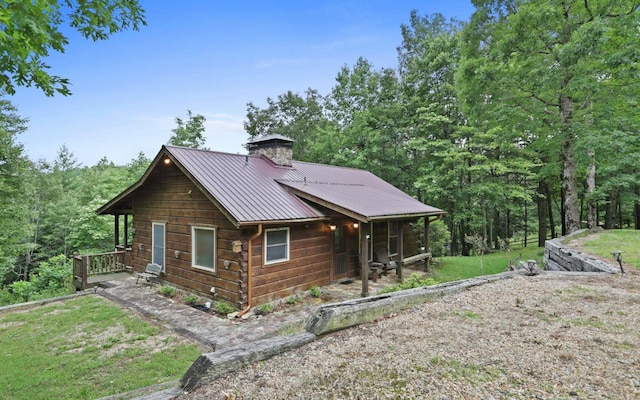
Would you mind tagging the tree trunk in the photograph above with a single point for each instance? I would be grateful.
(636, 215)
(571, 221)
(543, 193)
(592, 211)
(610, 212)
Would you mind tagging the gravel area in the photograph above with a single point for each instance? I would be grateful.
(542, 337)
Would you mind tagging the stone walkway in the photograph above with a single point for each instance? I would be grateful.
(213, 332)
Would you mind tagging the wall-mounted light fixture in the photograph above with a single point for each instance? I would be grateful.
(167, 161)
(140, 246)
(332, 227)
(177, 253)
(356, 225)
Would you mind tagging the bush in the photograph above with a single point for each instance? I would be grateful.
(438, 238)
(265, 308)
(294, 300)
(53, 275)
(315, 291)
(167, 291)
(224, 308)
(23, 290)
(191, 299)
(414, 281)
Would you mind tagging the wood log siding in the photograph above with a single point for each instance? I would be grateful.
(170, 197)
(309, 264)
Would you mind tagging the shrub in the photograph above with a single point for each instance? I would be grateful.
(438, 238)
(223, 308)
(167, 291)
(413, 282)
(24, 290)
(191, 299)
(294, 300)
(315, 291)
(265, 308)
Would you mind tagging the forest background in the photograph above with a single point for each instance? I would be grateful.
(520, 123)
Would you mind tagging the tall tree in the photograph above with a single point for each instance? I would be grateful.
(189, 133)
(30, 30)
(543, 64)
(298, 117)
(15, 192)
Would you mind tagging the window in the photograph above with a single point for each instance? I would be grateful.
(276, 245)
(203, 248)
(157, 238)
(393, 238)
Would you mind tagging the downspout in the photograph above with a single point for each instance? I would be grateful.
(254, 236)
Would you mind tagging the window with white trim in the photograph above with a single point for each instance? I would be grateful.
(276, 245)
(203, 247)
(158, 241)
(393, 238)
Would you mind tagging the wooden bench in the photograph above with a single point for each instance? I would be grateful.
(151, 273)
(426, 257)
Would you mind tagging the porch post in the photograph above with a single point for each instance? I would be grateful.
(400, 249)
(126, 231)
(364, 262)
(116, 230)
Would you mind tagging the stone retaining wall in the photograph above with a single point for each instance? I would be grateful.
(560, 257)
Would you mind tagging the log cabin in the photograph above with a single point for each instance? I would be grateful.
(250, 229)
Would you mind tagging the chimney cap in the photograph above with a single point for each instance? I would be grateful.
(271, 139)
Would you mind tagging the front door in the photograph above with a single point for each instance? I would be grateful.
(340, 255)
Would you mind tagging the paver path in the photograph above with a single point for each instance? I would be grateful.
(210, 330)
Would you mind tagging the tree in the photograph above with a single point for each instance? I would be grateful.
(15, 192)
(189, 133)
(294, 116)
(30, 30)
(541, 67)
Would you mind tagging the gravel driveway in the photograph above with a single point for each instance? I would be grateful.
(543, 337)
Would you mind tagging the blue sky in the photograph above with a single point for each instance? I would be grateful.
(211, 57)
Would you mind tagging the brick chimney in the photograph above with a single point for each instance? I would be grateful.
(278, 148)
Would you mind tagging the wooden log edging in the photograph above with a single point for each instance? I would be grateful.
(210, 366)
(326, 319)
(560, 257)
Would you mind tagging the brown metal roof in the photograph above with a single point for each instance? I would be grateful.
(253, 189)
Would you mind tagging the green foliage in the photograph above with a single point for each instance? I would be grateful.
(265, 308)
(414, 281)
(61, 352)
(223, 308)
(439, 236)
(50, 278)
(167, 291)
(191, 299)
(32, 29)
(315, 291)
(189, 133)
(293, 300)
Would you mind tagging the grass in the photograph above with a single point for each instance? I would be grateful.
(625, 240)
(84, 348)
(459, 267)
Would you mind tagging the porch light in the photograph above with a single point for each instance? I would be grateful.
(356, 225)
(332, 227)
(167, 161)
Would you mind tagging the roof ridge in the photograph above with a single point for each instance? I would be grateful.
(320, 183)
(331, 166)
(168, 146)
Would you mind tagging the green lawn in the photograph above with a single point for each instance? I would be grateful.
(625, 240)
(456, 268)
(85, 348)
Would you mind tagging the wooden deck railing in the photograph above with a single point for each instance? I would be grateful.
(86, 265)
